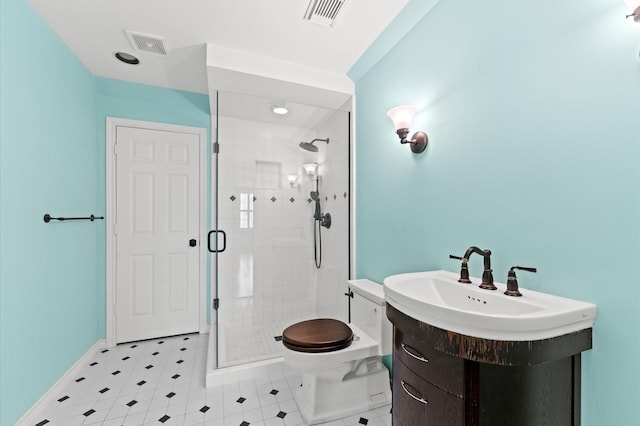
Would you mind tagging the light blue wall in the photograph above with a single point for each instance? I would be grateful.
(533, 115)
(150, 103)
(406, 19)
(52, 160)
(49, 161)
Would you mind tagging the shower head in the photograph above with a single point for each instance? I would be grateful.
(315, 195)
(309, 146)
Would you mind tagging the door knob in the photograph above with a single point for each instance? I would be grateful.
(192, 243)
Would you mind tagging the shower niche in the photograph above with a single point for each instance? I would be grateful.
(268, 175)
(267, 277)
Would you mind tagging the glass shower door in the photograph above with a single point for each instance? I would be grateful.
(266, 277)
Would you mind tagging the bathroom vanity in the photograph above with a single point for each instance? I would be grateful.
(465, 355)
(444, 378)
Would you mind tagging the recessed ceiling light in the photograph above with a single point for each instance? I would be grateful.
(127, 58)
(279, 108)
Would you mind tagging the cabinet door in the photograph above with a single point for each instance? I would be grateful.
(417, 402)
(538, 395)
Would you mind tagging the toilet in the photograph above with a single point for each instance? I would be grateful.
(341, 364)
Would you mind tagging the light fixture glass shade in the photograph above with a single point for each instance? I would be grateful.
(292, 179)
(310, 168)
(402, 115)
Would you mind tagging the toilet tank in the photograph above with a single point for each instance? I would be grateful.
(368, 312)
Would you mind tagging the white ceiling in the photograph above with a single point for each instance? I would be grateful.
(94, 31)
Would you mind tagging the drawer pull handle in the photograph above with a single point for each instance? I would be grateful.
(419, 357)
(419, 399)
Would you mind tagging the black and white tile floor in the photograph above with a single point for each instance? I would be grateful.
(162, 382)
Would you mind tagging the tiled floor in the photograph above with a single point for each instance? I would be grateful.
(161, 381)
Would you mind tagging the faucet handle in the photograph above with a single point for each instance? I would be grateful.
(464, 269)
(525, 268)
(512, 280)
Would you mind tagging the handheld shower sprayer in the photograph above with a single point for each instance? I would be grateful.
(315, 196)
(324, 219)
(319, 220)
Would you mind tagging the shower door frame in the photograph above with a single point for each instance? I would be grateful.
(215, 149)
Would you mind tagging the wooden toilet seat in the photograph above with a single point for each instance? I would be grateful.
(317, 335)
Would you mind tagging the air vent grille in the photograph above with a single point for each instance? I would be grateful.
(147, 43)
(324, 12)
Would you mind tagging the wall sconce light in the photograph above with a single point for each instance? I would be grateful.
(310, 168)
(401, 117)
(633, 7)
(292, 180)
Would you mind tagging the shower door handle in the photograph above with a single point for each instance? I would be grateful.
(224, 241)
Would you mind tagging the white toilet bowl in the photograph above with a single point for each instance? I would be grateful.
(343, 382)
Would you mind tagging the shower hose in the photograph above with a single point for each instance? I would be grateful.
(317, 241)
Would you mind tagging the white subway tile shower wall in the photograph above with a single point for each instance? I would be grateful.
(267, 278)
(334, 189)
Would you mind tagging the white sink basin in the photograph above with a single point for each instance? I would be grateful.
(438, 299)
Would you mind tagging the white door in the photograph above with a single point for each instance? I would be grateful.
(157, 229)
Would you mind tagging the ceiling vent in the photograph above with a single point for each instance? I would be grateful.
(324, 12)
(147, 43)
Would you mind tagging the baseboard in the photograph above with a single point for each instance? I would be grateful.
(31, 417)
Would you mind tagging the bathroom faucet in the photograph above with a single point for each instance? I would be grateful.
(487, 275)
(464, 269)
(512, 280)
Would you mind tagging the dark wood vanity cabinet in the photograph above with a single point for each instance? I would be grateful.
(442, 378)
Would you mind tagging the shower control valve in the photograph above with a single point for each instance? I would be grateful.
(326, 220)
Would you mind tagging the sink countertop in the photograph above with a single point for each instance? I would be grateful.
(436, 298)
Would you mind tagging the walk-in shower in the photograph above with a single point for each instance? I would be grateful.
(266, 279)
